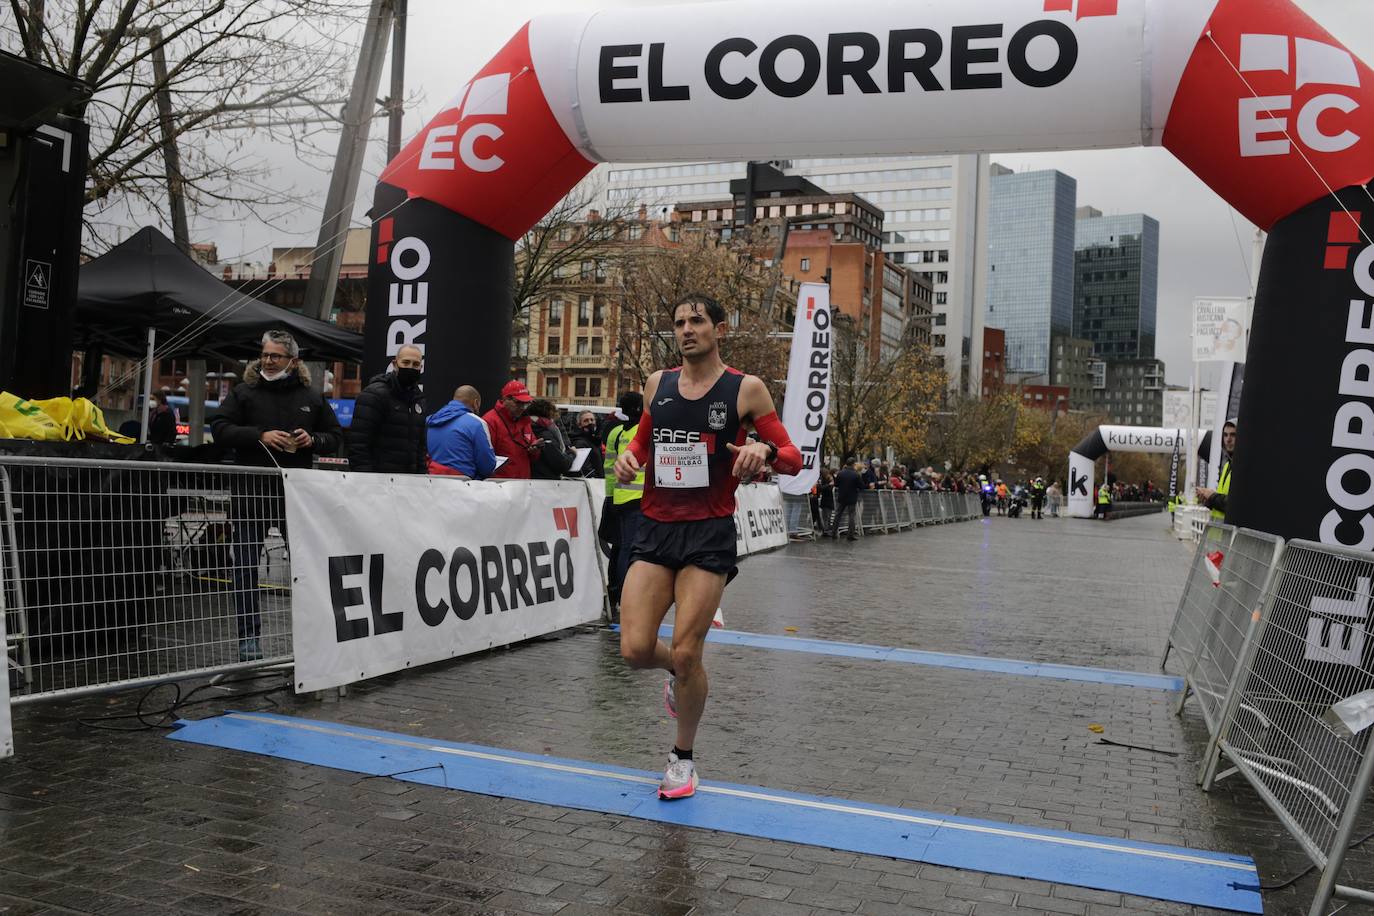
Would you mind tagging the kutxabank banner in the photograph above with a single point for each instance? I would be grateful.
(807, 402)
(1082, 491)
(393, 572)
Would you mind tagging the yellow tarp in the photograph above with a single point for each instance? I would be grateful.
(56, 419)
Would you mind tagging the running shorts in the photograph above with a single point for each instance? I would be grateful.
(707, 543)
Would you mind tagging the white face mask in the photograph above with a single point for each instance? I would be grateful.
(272, 376)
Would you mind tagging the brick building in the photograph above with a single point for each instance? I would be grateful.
(823, 236)
(994, 359)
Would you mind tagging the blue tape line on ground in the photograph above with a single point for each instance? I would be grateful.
(1164, 872)
(941, 659)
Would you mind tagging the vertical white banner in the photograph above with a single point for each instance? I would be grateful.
(6, 734)
(807, 402)
(1219, 330)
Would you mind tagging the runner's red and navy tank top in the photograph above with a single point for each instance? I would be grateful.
(688, 475)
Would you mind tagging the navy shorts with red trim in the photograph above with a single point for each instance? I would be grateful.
(707, 543)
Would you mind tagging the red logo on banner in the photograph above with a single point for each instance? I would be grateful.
(1343, 232)
(810, 307)
(566, 520)
(495, 153)
(385, 236)
(1214, 561)
(1086, 8)
(1271, 110)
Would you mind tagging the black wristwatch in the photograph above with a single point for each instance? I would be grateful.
(772, 452)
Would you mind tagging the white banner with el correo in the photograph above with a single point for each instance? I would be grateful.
(392, 572)
(807, 401)
(759, 521)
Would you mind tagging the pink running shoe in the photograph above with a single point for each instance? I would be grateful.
(679, 780)
(670, 696)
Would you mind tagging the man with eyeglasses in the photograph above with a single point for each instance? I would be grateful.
(272, 419)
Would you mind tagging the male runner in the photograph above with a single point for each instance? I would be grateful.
(693, 447)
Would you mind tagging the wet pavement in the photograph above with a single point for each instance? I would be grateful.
(94, 820)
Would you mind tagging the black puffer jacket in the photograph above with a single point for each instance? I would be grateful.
(554, 457)
(257, 405)
(589, 440)
(388, 431)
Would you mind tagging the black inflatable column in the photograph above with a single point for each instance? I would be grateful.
(1304, 464)
(444, 282)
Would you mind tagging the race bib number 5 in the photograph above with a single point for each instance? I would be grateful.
(680, 465)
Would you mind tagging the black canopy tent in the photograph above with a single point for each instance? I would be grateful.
(147, 282)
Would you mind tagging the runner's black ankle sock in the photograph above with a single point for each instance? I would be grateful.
(681, 754)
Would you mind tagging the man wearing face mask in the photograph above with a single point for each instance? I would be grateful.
(273, 418)
(388, 431)
(586, 437)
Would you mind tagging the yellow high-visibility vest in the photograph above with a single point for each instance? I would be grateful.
(623, 493)
(608, 462)
(1224, 488)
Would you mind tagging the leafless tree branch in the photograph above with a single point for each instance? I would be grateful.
(223, 58)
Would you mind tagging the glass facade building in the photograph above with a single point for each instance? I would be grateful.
(1116, 284)
(1030, 264)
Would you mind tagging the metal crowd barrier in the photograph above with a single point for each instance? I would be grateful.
(801, 523)
(885, 511)
(120, 573)
(116, 574)
(1278, 647)
(1190, 522)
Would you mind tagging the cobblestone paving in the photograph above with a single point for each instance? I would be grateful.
(99, 821)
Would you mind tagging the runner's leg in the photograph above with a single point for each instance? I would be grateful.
(644, 600)
(698, 595)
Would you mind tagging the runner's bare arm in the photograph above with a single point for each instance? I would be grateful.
(756, 406)
(637, 452)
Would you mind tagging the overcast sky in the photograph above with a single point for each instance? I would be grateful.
(1205, 246)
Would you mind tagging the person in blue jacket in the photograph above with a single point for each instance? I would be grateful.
(458, 441)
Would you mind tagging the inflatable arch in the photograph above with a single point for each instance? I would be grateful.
(1081, 490)
(1252, 95)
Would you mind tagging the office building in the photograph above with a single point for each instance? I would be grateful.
(1116, 282)
(824, 235)
(1071, 367)
(1130, 392)
(934, 224)
(1030, 263)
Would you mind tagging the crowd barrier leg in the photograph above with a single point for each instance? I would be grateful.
(1211, 756)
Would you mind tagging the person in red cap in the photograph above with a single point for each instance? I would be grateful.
(512, 437)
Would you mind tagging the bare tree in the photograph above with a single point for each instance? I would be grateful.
(882, 400)
(656, 276)
(224, 59)
(975, 432)
(570, 236)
